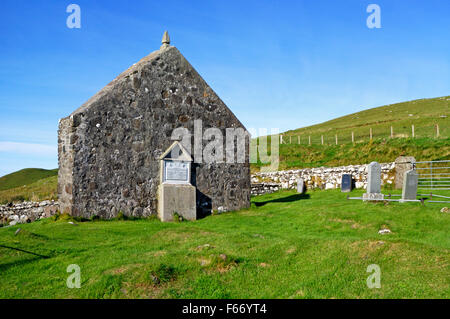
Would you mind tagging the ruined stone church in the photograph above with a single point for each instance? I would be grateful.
(112, 151)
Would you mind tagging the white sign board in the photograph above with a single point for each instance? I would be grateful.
(176, 171)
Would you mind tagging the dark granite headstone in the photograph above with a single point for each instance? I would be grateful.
(346, 183)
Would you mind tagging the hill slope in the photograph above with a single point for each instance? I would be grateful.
(43, 189)
(25, 177)
(423, 113)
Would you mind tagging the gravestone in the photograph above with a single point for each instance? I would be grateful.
(346, 183)
(300, 185)
(373, 182)
(176, 194)
(410, 182)
(402, 165)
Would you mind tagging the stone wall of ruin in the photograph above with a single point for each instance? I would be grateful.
(65, 162)
(118, 135)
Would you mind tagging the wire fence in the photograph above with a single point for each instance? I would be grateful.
(439, 130)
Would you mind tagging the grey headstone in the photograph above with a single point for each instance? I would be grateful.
(300, 185)
(346, 183)
(410, 182)
(373, 182)
(374, 178)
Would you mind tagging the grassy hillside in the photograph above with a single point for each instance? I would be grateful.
(380, 150)
(25, 177)
(42, 189)
(286, 245)
(423, 114)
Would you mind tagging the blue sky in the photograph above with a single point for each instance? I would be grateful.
(276, 64)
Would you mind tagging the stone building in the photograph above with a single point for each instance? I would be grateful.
(109, 149)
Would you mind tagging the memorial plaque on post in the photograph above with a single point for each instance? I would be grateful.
(175, 192)
(346, 183)
(176, 171)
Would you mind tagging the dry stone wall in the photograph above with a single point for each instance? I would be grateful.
(321, 177)
(26, 212)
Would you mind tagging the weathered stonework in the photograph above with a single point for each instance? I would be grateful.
(402, 165)
(109, 147)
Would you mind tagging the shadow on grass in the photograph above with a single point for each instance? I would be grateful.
(25, 251)
(4, 267)
(287, 199)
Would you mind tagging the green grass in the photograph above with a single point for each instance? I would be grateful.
(285, 246)
(25, 177)
(45, 188)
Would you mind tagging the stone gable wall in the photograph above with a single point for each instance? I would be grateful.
(116, 139)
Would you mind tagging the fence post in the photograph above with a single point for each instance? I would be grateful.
(353, 137)
(336, 140)
(298, 138)
(392, 131)
(412, 130)
(370, 133)
(437, 130)
(322, 139)
(290, 139)
(310, 140)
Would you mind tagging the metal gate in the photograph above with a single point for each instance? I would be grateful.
(434, 179)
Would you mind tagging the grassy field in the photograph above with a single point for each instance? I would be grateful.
(286, 245)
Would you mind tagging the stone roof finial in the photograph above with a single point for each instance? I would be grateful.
(165, 40)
